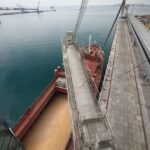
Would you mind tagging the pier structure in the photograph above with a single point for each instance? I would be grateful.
(91, 128)
(125, 91)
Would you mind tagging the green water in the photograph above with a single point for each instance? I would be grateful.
(30, 50)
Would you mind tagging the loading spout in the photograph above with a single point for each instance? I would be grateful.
(84, 97)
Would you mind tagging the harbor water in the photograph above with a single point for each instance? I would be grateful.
(30, 50)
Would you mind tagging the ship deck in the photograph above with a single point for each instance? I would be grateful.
(120, 94)
(52, 129)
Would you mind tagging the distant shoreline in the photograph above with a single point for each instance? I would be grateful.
(135, 4)
(25, 12)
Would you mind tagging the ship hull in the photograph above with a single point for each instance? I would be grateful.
(44, 119)
(47, 123)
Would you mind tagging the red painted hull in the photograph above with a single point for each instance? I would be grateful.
(24, 124)
(93, 64)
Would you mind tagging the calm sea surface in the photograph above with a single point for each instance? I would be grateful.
(30, 50)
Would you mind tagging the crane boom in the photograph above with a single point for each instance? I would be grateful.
(80, 16)
(120, 9)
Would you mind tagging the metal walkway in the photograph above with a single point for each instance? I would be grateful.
(120, 92)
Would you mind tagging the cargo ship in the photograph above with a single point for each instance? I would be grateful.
(47, 124)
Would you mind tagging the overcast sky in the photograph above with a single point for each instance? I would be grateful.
(66, 2)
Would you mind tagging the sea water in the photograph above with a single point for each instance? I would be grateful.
(30, 50)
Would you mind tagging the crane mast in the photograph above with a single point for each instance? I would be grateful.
(80, 16)
(38, 5)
